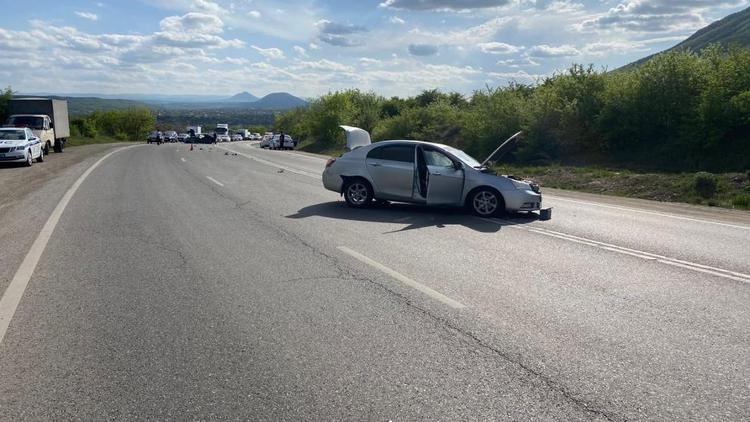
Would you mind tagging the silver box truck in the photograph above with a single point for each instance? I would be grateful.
(47, 118)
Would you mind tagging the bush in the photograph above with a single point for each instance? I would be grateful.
(704, 184)
(741, 201)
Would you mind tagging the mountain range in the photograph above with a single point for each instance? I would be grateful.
(728, 31)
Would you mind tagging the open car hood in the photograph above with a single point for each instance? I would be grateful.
(356, 137)
(503, 148)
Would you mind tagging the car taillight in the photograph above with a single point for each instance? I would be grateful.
(330, 162)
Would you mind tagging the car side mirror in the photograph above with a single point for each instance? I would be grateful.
(457, 165)
(51, 125)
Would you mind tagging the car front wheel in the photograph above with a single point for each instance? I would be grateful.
(486, 202)
(29, 159)
(357, 193)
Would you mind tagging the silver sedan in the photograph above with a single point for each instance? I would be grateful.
(424, 173)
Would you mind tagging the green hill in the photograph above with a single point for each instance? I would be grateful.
(731, 30)
(81, 106)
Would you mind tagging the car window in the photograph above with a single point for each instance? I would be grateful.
(403, 153)
(437, 158)
(11, 135)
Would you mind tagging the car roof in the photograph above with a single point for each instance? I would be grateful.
(405, 141)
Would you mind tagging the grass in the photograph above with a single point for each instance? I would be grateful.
(317, 148)
(732, 189)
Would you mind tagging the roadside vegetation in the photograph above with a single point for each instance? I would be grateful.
(678, 114)
(133, 124)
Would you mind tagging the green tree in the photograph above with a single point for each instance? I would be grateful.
(5, 96)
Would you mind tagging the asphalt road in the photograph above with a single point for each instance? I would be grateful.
(205, 285)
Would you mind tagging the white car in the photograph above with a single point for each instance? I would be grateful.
(236, 137)
(265, 142)
(19, 145)
(276, 142)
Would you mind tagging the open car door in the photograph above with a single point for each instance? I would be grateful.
(441, 178)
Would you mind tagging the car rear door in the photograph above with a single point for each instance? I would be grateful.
(445, 179)
(391, 169)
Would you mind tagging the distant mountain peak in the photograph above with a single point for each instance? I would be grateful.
(279, 101)
(244, 97)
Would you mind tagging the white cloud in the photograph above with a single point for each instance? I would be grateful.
(314, 46)
(88, 16)
(269, 53)
(322, 64)
(193, 22)
(442, 4)
(300, 50)
(643, 16)
(544, 50)
(366, 61)
(254, 14)
(396, 20)
(498, 48)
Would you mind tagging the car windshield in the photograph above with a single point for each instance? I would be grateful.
(12, 135)
(221, 130)
(464, 157)
(33, 122)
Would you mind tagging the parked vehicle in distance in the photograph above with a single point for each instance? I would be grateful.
(289, 143)
(236, 137)
(20, 145)
(193, 130)
(265, 142)
(182, 137)
(256, 136)
(425, 173)
(222, 132)
(155, 137)
(244, 134)
(47, 118)
(170, 136)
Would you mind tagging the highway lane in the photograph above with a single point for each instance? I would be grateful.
(200, 285)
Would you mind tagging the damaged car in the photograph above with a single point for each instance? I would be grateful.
(426, 173)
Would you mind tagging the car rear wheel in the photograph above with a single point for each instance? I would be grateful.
(40, 159)
(486, 202)
(358, 193)
(46, 148)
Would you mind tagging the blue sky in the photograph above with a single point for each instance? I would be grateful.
(309, 47)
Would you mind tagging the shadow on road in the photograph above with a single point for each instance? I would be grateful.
(414, 216)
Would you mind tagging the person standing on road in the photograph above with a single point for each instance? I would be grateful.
(281, 140)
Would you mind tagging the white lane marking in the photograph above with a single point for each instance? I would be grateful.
(183, 159)
(214, 180)
(404, 279)
(707, 269)
(661, 214)
(14, 292)
(277, 165)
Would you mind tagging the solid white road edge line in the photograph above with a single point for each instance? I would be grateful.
(706, 269)
(404, 279)
(215, 181)
(661, 214)
(14, 292)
